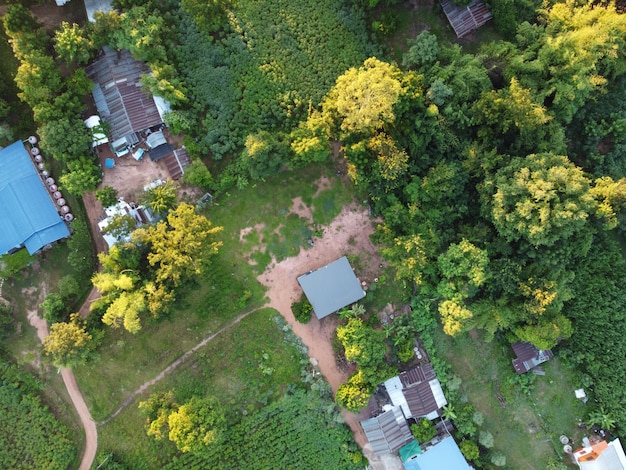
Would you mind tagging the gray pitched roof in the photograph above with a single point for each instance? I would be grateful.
(387, 432)
(331, 287)
(528, 356)
(117, 93)
(466, 19)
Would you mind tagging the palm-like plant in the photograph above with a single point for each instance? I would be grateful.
(602, 419)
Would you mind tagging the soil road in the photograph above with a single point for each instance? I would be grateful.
(89, 425)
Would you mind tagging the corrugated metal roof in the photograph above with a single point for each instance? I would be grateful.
(387, 432)
(117, 93)
(394, 390)
(528, 356)
(27, 214)
(332, 287)
(466, 19)
(417, 374)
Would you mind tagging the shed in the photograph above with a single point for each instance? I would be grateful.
(388, 432)
(466, 19)
(331, 287)
(28, 216)
(528, 356)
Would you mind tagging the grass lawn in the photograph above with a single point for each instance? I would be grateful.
(245, 368)
(226, 290)
(527, 429)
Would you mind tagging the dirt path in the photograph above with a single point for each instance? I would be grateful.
(89, 425)
(175, 364)
(348, 233)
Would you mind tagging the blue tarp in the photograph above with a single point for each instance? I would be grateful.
(27, 214)
(445, 454)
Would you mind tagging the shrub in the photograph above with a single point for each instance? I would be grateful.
(424, 430)
(7, 326)
(54, 308)
(498, 459)
(302, 310)
(485, 439)
(107, 196)
(469, 449)
(68, 287)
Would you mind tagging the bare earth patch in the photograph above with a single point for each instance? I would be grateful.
(347, 234)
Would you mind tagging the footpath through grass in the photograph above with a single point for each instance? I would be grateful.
(527, 427)
(246, 367)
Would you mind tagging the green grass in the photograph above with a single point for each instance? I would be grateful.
(412, 21)
(228, 368)
(528, 428)
(229, 287)
(267, 205)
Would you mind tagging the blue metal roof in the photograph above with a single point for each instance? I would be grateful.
(27, 214)
(446, 454)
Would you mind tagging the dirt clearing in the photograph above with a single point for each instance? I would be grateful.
(349, 233)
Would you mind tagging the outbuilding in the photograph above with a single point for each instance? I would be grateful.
(331, 287)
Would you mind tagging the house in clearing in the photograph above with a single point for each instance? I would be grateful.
(439, 454)
(387, 432)
(28, 216)
(120, 101)
(331, 287)
(601, 456)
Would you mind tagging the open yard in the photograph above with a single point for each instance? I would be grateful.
(527, 426)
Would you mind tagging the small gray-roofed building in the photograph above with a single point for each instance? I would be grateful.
(332, 287)
(528, 356)
(466, 19)
(388, 432)
(118, 96)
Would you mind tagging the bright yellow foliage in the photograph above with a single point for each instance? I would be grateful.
(453, 317)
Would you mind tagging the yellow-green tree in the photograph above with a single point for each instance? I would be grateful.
(161, 198)
(68, 343)
(543, 198)
(355, 393)
(362, 100)
(71, 43)
(196, 424)
(180, 247)
(124, 299)
(454, 317)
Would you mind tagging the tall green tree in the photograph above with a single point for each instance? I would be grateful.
(542, 199)
(71, 43)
